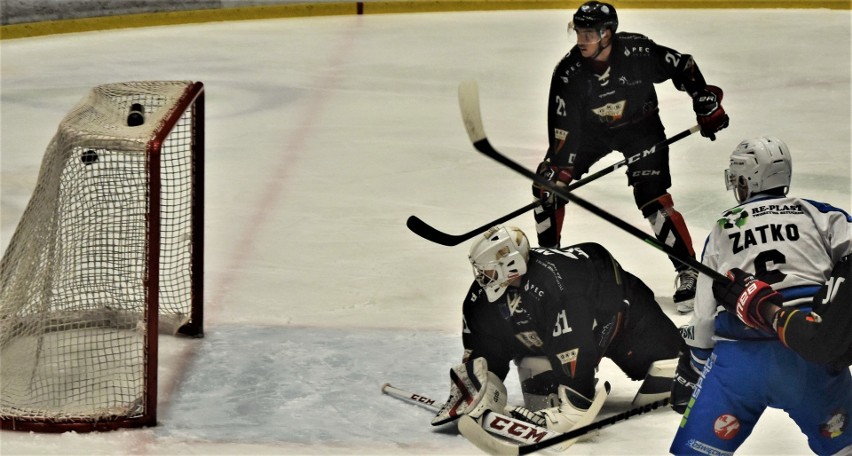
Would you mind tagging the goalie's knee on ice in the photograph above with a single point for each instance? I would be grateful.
(538, 382)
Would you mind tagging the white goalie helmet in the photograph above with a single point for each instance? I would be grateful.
(498, 257)
(758, 165)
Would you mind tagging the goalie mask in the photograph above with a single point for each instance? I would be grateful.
(758, 165)
(499, 257)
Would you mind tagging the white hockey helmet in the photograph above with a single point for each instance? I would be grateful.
(498, 257)
(758, 165)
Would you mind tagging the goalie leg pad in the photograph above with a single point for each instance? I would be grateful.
(474, 390)
(575, 410)
(658, 382)
(539, 382)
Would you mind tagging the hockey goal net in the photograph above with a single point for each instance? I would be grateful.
(108, 254)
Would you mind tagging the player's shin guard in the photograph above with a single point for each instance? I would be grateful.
(548, 224)
(669, 226)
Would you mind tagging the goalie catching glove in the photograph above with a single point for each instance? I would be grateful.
(474, 390)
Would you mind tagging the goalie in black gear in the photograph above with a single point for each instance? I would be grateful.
(556, 313)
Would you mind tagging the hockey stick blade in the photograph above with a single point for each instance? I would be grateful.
(495, 423)
(424, 230)
(478, 435)
(533, 447)
(471, 115)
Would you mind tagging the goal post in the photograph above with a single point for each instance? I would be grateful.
(108, 254)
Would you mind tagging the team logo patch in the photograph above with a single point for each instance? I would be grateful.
(734, 217)
(610, 112)
(530, 339)
(726, 426)
(835, 425)
(569, 359)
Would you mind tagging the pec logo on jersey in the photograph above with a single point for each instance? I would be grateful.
(610, 112)
(533, 289)
(726, 427)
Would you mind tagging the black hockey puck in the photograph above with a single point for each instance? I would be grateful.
(136, 116)
(88, 157)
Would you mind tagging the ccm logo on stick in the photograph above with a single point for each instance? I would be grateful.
(517, 429)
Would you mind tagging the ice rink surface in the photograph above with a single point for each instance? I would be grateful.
(325, 134)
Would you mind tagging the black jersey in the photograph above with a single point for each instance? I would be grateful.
(569, 306)
(590, 98)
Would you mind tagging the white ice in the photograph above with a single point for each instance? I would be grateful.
(325, 134)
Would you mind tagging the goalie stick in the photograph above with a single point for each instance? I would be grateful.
(469, 104)
(511, 428)
(485, 442)
(426, 231)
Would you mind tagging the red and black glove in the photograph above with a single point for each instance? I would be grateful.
(559, 175)
(752, 301)
(707, 104)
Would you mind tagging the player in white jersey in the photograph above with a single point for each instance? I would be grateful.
(740, 362)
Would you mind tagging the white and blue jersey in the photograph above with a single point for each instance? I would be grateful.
(792, 244)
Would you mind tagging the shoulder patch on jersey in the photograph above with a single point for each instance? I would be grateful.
(826, 208)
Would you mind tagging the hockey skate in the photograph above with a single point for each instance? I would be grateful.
(684, 297)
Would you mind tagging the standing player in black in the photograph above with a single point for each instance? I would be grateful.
(602, 98)
(556, 313)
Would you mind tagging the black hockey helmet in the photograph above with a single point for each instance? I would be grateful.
(596, 15)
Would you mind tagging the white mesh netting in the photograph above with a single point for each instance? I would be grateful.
(73, 280)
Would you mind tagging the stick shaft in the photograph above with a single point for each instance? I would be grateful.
(469, 103)
(411, 398)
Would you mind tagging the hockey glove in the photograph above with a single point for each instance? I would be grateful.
(474, 390)
(753, 301)
(707, 104)
(556, 174)
(684, 382)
